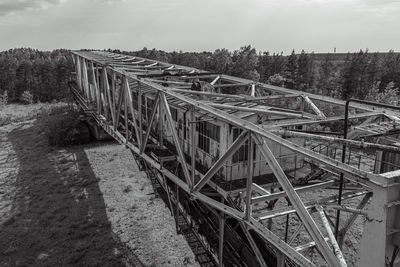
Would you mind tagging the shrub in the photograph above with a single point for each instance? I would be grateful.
(5, 119)
(26, 98)
(390, 95)
(5, 97)
(276, 79)
(3, 100)
(63, 127)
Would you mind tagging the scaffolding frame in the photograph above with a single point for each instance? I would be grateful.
(104, 82)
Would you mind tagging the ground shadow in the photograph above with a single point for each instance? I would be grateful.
(58, 214)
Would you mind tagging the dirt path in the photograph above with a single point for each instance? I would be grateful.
(81, 206)
(140, 220)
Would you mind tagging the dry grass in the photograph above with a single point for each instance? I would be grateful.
(78, 206)
(17, 112)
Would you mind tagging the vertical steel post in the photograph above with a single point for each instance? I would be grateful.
(177, 209)
(221, 239)
(249, 175)
(346, 119)
(126, 120)
(140, 117)
(193, 142)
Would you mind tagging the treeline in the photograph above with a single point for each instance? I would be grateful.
(27, 73)
(363, 75)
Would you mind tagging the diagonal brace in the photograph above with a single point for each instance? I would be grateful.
(150, 123)
(297, 203)
(218, 164)
(164, 102)
(128, 97)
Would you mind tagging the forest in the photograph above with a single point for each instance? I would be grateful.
(29, 75)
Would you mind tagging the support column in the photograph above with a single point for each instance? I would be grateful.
(177, 208)
(193, 143)
(249, 182)
(381, 235)
(221, 239)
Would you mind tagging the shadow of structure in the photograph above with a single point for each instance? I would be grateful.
(58, 213)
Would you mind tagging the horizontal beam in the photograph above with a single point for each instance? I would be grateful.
(268, 214)
(307, 245)
(281, 194)
(337, 140)
(223, 85)
(205, 93)
(318, 121)
(260, 110)
(260, 190)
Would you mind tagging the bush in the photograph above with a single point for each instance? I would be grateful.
(64, 127)
(3, 100)
(4, 120)
(26, 98)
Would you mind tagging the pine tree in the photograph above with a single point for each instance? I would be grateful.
(304, 74)
(278, 64)
(264, 66)
(390, 70)
(291, 71)
(222, 60)
(245, 62)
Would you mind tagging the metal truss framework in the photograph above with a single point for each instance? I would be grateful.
(105, 82)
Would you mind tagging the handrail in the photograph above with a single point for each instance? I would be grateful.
(346, 120)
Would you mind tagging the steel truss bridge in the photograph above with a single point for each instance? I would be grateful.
(178, 123)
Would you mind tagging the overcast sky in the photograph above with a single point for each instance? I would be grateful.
(202, 25)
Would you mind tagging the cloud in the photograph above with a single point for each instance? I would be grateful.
(13, 6)
(111, 2)
(380, 2)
